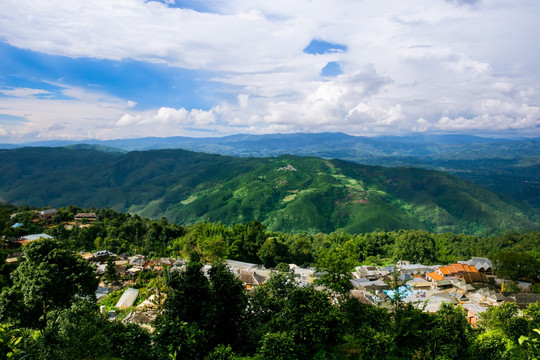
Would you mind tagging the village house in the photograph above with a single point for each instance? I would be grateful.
(251, 278)
(90, 217)
(46, 214)
(473, 312)
(481, 264)
(29, 238)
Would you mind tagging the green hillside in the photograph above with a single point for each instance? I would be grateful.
(285, 193)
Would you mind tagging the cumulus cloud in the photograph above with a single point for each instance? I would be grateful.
(170, 116)
(405, 66)
(495, 115)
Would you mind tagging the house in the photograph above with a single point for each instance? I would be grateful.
(415, 269)
(461, 286)
(29, 238)
(138, 260)
(487, 296)
(456, 270)
(482, 264)
(434, 277)
(303, 276)
(103, 255)
(475, 278)
(251, 278)
(134, 271)
(90, 217)
(419, 283)
(12, 260)
(46, 214)
(367, 272)
(443, 284)
(522, 300)
(364, 297)
(473, 312)
(101, 292)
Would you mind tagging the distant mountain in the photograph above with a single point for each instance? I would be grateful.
(508, 167)
(286, 193)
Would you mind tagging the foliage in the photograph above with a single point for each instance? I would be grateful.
(199, 312)
(317, 196)
(208, 314)
(336, 270)
(110, 271)
(9, 342)
(514, 266)
(47, 281)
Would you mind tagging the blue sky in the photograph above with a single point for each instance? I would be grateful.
(134, 68)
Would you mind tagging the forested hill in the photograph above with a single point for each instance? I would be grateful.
(506, 166)
(286, 193)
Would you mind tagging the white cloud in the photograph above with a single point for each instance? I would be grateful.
(24, 92)
(243, 100)
(412, 65)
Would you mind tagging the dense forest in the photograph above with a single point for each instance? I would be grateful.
(252, 242)
(286, 193)
(508, 167)
(48, 308)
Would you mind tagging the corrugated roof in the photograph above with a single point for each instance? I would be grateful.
(35, 237)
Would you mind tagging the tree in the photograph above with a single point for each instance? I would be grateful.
(228, 304)
(450, 333)
(504, 318)
(110, 271)
(49, 280)
(278, 346)
(366, 328)
(272, 252)
(512, 265)
(200, 312)
(416, 246)
(311, 320)
(336, 267)
(493, 345)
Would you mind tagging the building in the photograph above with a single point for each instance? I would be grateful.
(90, 217)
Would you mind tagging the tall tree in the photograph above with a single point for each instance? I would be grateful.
(49, 280)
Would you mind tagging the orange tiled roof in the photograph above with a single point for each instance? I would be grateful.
(473, 268)
(435, 276)
(444, 270)
(459, 267)
(451, 269)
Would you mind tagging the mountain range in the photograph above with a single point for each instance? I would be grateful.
(286, 193)
(510, 167)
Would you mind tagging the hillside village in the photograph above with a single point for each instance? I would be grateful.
(134, 265)
(470, 284)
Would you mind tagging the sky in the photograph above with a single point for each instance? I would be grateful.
(99, 69)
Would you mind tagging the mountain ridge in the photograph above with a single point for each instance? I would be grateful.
(286, 193)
